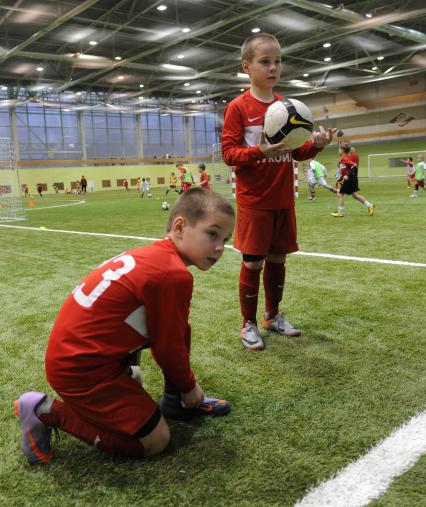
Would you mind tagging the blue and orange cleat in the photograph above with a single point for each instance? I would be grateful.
(35, 435)
(171, 407)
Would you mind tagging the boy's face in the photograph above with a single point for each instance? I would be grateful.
(202, 244)
(265, 67)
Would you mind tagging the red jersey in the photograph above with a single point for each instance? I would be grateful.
(261, 183)
(204, 180)
(140, 298)
(346, 164)
(355, 157)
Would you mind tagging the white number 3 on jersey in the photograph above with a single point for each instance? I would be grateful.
(108, 276)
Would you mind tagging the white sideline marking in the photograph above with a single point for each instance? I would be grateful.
(56, 206)
(362, 259)
(145, 238)
(370, 476)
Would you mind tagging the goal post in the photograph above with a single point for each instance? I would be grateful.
(390, 165)
(11, 202)
(222, 178)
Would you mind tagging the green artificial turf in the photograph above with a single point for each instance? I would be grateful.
(302, 409)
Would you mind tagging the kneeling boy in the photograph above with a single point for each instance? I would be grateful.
(138, 299)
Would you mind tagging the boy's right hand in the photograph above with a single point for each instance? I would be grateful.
(194, 398)
(272, 150)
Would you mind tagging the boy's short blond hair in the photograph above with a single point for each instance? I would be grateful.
(249, 45)
(197, 203)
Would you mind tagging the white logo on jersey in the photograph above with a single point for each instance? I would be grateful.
(285, 157)
(254, 119)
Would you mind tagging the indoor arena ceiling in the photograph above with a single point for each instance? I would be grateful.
(189, 50)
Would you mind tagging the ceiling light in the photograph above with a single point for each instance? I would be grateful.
(186, 84)
(78, 93)
(305, 74)
(255, 30)
(141, 98)
(185, 30)
(174, 67)
(66, 110)
(161, 7)
(224, 101)
(120, 77)
(380, 57)
(374, 68)
(243, 75)
(181, 56)
(193, 101)
(4, 87)
(118, 58)
(141, 86)
(327, 59)
(369, 15)
(241, 89)
(198, 91)
(326, 45)
(40, 69)
(93, 43)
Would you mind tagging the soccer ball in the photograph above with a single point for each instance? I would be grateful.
(289, 120)
(149, 195)
(165, 206)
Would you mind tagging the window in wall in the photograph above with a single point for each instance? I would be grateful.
(47, 133)
(5, 130)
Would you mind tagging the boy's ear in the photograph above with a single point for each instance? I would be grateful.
(178, 225)
(245, 65)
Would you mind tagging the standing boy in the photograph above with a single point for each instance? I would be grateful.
(138, 299)
(349, 182)
(83, 185)
(266, 222)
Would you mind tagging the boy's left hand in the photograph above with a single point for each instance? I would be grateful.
(323, 137)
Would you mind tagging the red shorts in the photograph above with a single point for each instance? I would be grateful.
(420, 183)
(185, 186)
(264, 231)
(121, 405)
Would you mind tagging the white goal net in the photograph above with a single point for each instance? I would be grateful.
(390, 165)
(222, 180)
(11, 205)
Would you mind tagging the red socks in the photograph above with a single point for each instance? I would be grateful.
(273, 282)
(249, 292)
(62, 416)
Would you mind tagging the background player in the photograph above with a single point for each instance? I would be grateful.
(204, 177)
(172, 184)
(349, 182)
(411, 172)
(266, 221)
(185, 177)
(420, 175)
(316, 176)
(138, 299)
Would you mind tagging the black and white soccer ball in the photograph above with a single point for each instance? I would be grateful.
(290, 120)
(165, 206)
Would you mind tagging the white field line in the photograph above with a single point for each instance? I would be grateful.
(370, 476)
(57, 206)
(145, 238)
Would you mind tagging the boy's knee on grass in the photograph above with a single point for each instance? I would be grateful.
(156, 441)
